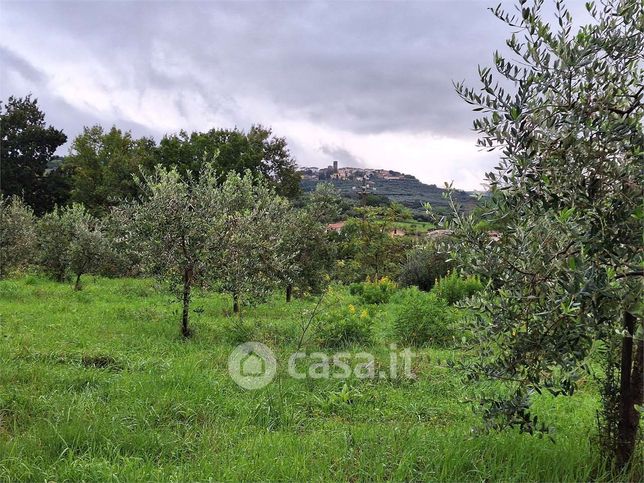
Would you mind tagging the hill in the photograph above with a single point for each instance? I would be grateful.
(392, 185)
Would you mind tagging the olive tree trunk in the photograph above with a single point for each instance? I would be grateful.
(631, 392)
(77, 285)
(187, 289)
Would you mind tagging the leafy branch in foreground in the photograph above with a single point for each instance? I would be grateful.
(565, 270)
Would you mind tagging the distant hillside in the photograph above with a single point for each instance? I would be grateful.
(399, 187)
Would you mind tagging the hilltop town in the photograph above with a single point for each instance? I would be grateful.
(333, 172)
(384, 186)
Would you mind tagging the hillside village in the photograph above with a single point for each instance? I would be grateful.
(344, 173)
(383, 186)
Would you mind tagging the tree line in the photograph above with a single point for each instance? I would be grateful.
(68, 215)
(100, 168)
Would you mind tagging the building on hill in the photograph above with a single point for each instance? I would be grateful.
(337, 227)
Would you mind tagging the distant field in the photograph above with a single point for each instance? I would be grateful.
(418, 228)
(97, 385)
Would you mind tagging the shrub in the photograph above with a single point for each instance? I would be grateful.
(376, 292)
(345, 326)
(421, 318)
(17, 235)
(53, 242)
(454, 288)
(423, 267)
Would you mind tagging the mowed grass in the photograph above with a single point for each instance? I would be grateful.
(98, 385)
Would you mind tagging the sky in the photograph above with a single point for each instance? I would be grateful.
(367, 83)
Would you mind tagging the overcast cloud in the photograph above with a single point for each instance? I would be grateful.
(367, 82)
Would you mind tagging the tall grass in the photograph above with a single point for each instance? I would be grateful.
(99, 386)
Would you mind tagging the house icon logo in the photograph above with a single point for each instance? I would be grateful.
(252, 365)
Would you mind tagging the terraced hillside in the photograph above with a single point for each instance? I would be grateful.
(407, 190)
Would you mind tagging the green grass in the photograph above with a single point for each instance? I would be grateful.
(98, 385)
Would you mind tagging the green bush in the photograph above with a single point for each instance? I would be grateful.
(17, 235)
(421, 318)
(345, 326)
(423, 266)
(376, 292)
(454, 288)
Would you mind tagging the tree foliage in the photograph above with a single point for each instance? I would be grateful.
(256, 256)
(566, 198)
(17, 235)
(366, 247)
(27, 145)
(326, 203)
(71, 242)
(311, 252)
(178, 228)
(423, 266)
(103, 166)
(198, 230)
(257, 150)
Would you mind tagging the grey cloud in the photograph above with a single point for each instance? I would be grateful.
(58, 111)
(365, 67)
(343, 156)
(11, 61)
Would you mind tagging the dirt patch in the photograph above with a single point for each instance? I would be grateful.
(101, 362)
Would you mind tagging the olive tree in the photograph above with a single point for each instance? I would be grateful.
(255, 256)
(124, 257)
(311, 251)
(424, 265)
(565, 112)
(88, 247)
(71, 241)
(53, 240)
(17, 234)
(178, 226)
(197, 229)
(326, 204)
(366, 247)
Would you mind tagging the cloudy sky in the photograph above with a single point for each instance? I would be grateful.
(368, 83)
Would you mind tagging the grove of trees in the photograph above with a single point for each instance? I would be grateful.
(102, 165)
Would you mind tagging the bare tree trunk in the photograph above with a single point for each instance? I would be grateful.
(630, 393)
(187, 288)
(289, 292)
(235, 303)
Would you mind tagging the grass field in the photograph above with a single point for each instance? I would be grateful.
(97, 385)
